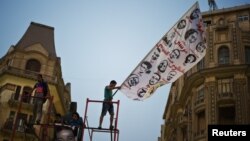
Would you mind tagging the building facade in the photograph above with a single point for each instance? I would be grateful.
(34, 54)
(217, 89)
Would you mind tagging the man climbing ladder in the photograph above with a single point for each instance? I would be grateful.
(107, 104)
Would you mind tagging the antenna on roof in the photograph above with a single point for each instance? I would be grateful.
(212, 5)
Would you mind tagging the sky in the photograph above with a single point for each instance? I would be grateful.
(102, 40)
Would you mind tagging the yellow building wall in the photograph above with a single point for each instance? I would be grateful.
(6, 94)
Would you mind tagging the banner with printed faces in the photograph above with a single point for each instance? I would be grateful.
(182, 47)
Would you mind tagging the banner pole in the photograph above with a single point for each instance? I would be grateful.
(114, 93)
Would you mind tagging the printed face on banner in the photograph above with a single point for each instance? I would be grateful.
(163, 66)
(181, 24)
(141, 92)
(133, 80)
(191, 35)
(145, 67)
(154, 79)
(177, 52)
(200, 47)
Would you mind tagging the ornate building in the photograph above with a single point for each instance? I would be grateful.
(217, 89)
(34, 54)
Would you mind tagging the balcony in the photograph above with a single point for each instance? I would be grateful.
(199, 104)
(26, 73)
(199, 134)
(199, 101)
(20, 128)
(222, 25)
(226, 95)
(8, 125)
(27, 102)
(225, 98)
(183, 121)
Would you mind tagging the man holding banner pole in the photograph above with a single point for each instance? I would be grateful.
(107, 104)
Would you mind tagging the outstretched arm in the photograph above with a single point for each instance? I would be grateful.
(111, 88)
(118, 87)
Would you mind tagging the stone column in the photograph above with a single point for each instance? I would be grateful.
(211, 95)
(240, 101)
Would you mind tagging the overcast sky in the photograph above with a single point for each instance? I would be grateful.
(101, 40)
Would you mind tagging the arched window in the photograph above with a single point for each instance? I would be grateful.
(33, 65)
(221, 21)
(223, 55)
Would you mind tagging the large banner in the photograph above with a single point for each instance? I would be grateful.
(183, 46)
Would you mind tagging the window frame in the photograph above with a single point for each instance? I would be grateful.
(223, 55)
(33, 65)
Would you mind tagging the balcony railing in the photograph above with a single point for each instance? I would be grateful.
(8, 125)
(199, 134)
(225, 95)
(21, 127)
(26, 73)
(183, 120)
(199, 101)
(27, 101)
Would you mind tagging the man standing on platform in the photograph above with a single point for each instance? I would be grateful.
(107, 104)
(41, 91)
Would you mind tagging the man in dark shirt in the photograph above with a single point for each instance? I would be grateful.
(41, 91)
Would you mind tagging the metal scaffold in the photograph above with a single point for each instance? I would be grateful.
(114, 133)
